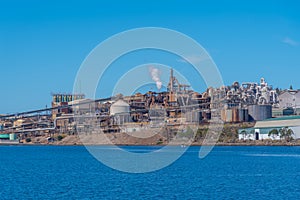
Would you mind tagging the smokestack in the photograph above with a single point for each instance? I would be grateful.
(154, 72)
(171, 80)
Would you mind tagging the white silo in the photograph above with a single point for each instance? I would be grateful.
(119, 107)
(120, 110)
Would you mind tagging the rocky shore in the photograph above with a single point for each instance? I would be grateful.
(227, 135)
(124, 139)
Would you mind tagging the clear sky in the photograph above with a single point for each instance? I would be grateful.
(43, 43)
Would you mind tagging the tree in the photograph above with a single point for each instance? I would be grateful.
(201, 133)
(286, 133)
(60, 137)
(244, 133)
(252, 132)
(28, 140)
(273, 133)
(291, 87)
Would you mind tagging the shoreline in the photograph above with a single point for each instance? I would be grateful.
(152, 145)
(147, 139)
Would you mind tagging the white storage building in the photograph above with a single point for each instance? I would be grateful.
(262, 129)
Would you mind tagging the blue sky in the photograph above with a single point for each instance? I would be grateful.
(43, 43)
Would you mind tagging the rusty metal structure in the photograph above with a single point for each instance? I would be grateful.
(177, 106)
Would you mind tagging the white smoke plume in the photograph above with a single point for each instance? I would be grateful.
(154, 72)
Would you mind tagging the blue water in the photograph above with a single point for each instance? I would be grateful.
(70, 172)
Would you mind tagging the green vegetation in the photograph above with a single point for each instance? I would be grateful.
(229, 134)
(159, 142)
(60, 137)
(273, 133)
(187, 133)
(200, 134)
(28, 140)
(286, 133)
(226, 134)
(244, 133)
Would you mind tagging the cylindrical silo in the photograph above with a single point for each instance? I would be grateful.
(241, 115)
(120, 110)
(119, 107)
(196, 116)
(229, 115)
(259, 112)
(235, 115)
(245, 115)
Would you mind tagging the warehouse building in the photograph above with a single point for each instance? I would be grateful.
(262, 129)
(289, 99)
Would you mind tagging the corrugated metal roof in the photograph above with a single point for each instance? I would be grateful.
(120, 102)
(283, 118)
(277, 123)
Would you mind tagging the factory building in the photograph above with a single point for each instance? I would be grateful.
(262, 129)
(176, 106)
(290, 99)
(8, 138)
(58, 97)
(245, 102)
(82, 106)
(233, 104)
(61, 102)
(279, 112)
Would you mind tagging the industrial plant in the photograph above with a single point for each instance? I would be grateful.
(177, 106)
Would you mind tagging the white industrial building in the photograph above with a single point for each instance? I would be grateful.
(82, 105)
(289, 99)
(262, 129)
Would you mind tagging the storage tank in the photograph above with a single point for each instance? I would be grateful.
(119, 107)
(241, 116)
(193, 116)
(235, 115)
(246, 115)
(227, 115)
(120, 110)
(259, 112)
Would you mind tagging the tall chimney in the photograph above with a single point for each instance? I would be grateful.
(171, 80)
